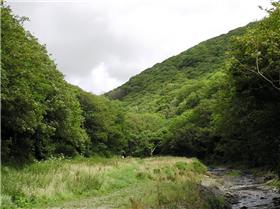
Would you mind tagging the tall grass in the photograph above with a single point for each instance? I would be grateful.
(115, 182)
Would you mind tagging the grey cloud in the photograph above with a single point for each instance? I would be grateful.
(80, 39)
(114, 40)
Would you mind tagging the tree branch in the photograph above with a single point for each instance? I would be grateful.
(263, 76)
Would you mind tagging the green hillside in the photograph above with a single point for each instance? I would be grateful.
(220, 99)
(154, 89)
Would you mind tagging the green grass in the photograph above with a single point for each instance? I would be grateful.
(233, 173)
(274, 182)
(96, 182)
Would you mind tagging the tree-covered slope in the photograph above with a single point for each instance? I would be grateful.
(153, 89)
(220, 99)
(43, 115)
(40, 115)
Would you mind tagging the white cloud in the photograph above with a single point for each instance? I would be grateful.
(98, 81)
(127, 36)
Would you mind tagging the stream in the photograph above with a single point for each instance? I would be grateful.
(243, 190)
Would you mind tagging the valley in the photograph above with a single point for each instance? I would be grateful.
(142, 144)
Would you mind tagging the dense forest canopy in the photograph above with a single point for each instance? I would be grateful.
(219, 100)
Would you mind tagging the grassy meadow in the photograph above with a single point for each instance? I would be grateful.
(159, 182)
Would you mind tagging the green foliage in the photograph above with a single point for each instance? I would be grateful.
(184, 90)
(190, 130)
(44, 116)
(154, 89)
(143, 133)
(220, 99)
(103, 123)
(40, 114)
(249, 116)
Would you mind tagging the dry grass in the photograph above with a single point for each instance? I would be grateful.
(107, 183)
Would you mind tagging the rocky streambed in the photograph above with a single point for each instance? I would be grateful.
(243, 190)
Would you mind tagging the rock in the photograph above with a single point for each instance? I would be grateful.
(231, 198)
(260, 180)
(245, 191)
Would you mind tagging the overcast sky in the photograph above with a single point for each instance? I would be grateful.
(100, 44)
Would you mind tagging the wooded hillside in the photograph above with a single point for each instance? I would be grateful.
(219, 101)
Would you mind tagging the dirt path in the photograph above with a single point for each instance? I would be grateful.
(243, 190)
